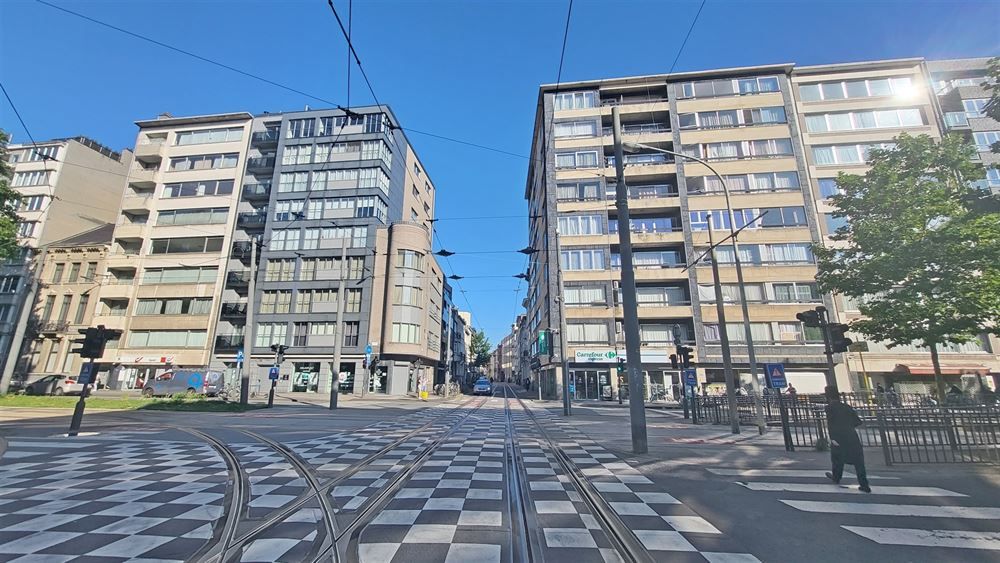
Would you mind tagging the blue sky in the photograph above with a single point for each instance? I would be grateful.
(468, 70)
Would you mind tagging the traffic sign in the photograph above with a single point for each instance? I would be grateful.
(86, 374)
(239, 355)
(691, 377)
(775, 375)
(272, 373)
(368, 350)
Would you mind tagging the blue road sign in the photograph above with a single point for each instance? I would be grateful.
(691, 377)
(368, 350)
(239, 355)
(195, 380)
(273, 373)
(572, 388)
(86, 374)
(775, 375)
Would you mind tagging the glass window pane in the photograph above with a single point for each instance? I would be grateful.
(856, 89)
(832, 91)
(810, 93)
(879, 87)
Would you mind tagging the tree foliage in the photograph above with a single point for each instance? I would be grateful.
(9, 200)
(480, 352)
(920, 251)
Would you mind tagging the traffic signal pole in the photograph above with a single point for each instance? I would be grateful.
(338, 343)
(633, 349)
(77, 420)
(249, 332)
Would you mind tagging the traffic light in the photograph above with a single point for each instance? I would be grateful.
(93, 341)
(621, 367)
(673, 361)
(279, 352)
(810, 318)
(685, 353)
(839, 342)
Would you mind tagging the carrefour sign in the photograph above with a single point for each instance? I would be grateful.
(598, 356)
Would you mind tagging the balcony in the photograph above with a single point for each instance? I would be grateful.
(650, 159)
(257, 192)
(260, 164)
(149, 150)
(264, 138)
(53, 326)
(228, 342)
(238, 280)
(632, 130)
(130, 231)
(230, 310)
(142, 175)
(251, 220)
(624, 101)
(137, 203)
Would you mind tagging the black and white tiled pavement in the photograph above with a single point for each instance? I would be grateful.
(61, 498)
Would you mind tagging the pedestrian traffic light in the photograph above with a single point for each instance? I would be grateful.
(839, 342)
(810, 318)
(673, 362)
(685, 354)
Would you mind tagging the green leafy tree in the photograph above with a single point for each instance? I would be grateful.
(9, 200)
(480, 351)
(919, 251)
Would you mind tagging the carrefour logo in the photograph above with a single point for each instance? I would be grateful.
(602, 356)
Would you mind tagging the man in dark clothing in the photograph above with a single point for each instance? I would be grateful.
(845, 445)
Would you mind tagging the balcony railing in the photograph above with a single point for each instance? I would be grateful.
(626, 101)
(265, 137)
(640, 129)
(238, 279)
(53, 326)
(645, 192)
(241, 248)
(230, 342)
(659, 226)
(234, 309)
(260, 163)
(261, 190)
(251, 219)
(642, 159)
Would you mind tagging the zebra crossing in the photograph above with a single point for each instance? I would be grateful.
(914, 516)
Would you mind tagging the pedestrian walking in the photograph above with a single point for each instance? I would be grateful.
(845, 445)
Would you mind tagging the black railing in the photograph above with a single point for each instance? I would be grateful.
(251, 219)
(260, 190)
(260, 163)
(241, 249)
(238, 279)
(234, 309)
(231, 342)
(265, 137)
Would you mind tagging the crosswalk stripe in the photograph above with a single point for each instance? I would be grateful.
(929, 538)
(831, 488)
(819, 473)
(875, 509)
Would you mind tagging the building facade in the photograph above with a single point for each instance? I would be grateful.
(335, 213)
(72, 273)
(68, 186)
(778, 134)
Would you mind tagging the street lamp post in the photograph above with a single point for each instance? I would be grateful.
(748, 335)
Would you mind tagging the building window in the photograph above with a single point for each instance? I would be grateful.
(732, 118)
(581, 225)
(50, 152)
(205, 136)
(587, 128)
(26, 229)
(57, 273)
(828, 187)
(355, 267)
(829, 155)
(186, 245)
(731, 293)
(90, 274)
(855, 89)
(32, 203)
(795, 292)
(204, 162)
(270, 333)
(299, 333)
(775, 217)
(984, 139)
(409, 259)
(34, 178)
(579, 191)
(728, 87)
(652, 259)
(67, 302)
(760, 332)
(50, 304)
(9, 284)
(833, 224)
(297, 154)
(373, 178)
(155, 276)
(177, 306)
(198, 189)
(285, 239)
(206, 216)
(406, 295)
(581, 159)
(858, 120)
(782, 253)
(583, 259)
(587, 333)
(574, 100)
(303, 301)
(166, 339)
(993, 177)
(351, 331)
(586, 296)
(730, 150)
(301, 128)
(293, 182)
(81, 309)
(353, 303)
(74, 272)
(405, 333)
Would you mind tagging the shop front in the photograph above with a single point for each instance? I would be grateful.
(132, 372)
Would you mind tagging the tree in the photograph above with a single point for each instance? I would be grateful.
(9, 200)
(918, 252)
(480, 352)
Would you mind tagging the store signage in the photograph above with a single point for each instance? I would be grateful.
(608, 356)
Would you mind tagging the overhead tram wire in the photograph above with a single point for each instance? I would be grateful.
(45, 158)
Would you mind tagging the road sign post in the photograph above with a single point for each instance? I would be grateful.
(690, 382)
(272, 374)
(774, 374)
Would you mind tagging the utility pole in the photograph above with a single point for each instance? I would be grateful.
(339, 338)
(17, 339)
(248, 331)
(633, 349)
(563, 331)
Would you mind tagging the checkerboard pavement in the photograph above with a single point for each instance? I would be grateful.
(453, 508)
(64, 498)
(296, 538)
(665, 526)
(274, 482)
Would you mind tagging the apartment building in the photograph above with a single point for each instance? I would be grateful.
(335, 209)
(68, 186)
(72, 272)
(958, 86)
(167, 263)
(459, 352)
(778, 134)
(845, 110)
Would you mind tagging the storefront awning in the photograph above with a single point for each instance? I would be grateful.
(909, 369)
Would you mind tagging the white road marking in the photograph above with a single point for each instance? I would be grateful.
(819, 473)
(929, 538)
(970, 512)
(831, 488)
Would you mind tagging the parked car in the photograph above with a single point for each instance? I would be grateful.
(191, 381)
(54, 385)
(482, 387)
